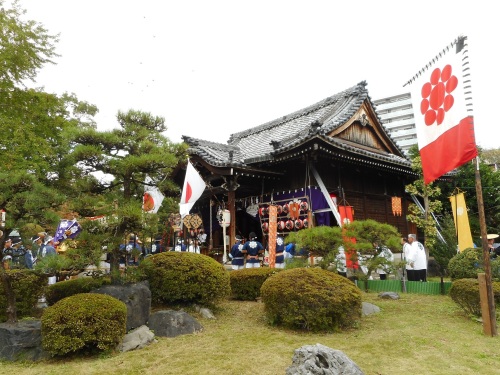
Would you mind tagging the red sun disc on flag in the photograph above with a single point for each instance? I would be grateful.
(189, 192)
(148, 202)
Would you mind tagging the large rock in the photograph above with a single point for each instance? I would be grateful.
(369, 309)
(21, 341)
(170, 323)
(137, 298)
(136, 339)
(321, 360)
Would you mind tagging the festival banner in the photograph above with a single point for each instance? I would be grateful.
(351, 256)
(67, 229)
(273, 229)
(461, 221)
(441, 101)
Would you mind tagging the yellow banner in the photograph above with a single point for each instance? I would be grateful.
(461, 221)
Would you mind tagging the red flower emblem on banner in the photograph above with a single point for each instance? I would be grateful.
(437, 98)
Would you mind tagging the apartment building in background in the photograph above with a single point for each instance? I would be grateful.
(397, 117)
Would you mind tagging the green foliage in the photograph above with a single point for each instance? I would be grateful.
(246, 283)
(467, 264)
(311, 299)
(185, 278)
(465, 293)
(319, 241)
(370, 237)
(63, 289)
(429, 194)
(83, 321)
(444, 251)
(28, 286)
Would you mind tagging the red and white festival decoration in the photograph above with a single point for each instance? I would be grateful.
(443, 114)
(152, 198)
(192, 190)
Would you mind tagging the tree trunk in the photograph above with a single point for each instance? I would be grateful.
(10, 296)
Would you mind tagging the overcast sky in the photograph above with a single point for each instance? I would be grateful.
(212, 68)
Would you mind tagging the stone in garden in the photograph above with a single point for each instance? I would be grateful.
(171, 323)
(136, 339)
(137, 298)
(389, 295)
(321, 360)
(369, 309)
(21, 341)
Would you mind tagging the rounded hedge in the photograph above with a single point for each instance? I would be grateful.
(468, 263)
(63, 289)
(182, 277)
(465, 293)
(83, 321)
(312, 299)
(246, 283)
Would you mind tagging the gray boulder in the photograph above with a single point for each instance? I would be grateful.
(321, 360)
(389, 295)
(369, 309)
(21, 341)
(137, 298)
(136, 339)
(170, 323)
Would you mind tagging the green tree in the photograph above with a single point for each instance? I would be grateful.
(465, 180)
(445, 250)
(370, 237)
(34, 128)
(117, 163)
(429, 194)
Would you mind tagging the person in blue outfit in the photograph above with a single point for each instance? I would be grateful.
(289, 252)
(157, 246)
(130, 251)
(236, 255)
(180, 245)
(280, 252)
(253, 250)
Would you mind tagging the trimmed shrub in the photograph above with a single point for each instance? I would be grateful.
(466, 264)
(312, 299)
(246, 283)
(465, 293)
(83, 321)
(63, 289)
(28, 287)
(185, 278)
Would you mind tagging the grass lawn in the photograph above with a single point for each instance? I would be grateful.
(417, 334)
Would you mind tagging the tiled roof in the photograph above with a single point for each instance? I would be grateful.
(261, 143)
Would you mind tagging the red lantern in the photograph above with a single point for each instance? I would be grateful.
(279, 209)
(298, 224)
(304, 206)
(305, 223)
(285, 208)
(289, 224)
(265, 227)
(281, 225)
(263, 211)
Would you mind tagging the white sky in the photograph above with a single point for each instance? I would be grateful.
(212, 68)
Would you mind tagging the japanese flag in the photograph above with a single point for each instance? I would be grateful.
(152, 198)
(443, 117)
(192, 190)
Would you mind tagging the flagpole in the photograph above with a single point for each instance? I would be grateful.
(488, 306)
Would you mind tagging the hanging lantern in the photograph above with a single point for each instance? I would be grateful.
(265, 227)
(263, 211)
(289, 224)
(281, 225)
(305, 223)
(285, 208)
(304, 206)
(279, 209)
(298, 224)
(396, 206)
